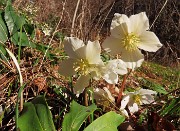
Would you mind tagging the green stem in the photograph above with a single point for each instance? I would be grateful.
(17, 105)
(92, 115)
(19, 49)
(71, 83)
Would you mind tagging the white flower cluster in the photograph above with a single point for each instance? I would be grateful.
(128, 35)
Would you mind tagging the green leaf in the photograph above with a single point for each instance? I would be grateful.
(3, 31)
(171, 107)
(24, 40)
(28, 119)
(13, 21)
(2, 50)
(159, 88)
(36, 116)
(77, 115)
(108, 122)
(3, 53)
(43, 113)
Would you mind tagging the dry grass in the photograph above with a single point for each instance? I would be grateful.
(92, 21)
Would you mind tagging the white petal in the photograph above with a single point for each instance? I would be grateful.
(149, 42)
(82, 82)
(124, 112)
(139, 23)
(109, 94)
(71, 44)
(119, 19)
(111, 77)
(132, 56)
(120, 31)
(93, 51)
(81, 53)
(125, 101)
(132, 59)
(146, 91)
(113, 45)
(134, 65)
(147, 99)
(121, 67)
(133, 107)
(99, 94)
(66, 67)
(103, 94)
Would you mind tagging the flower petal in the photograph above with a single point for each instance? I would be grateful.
(124, 112)
(120, 31)
(109, 94)
(119, 19)
(103, 95)
(139, 23)
(134, 65)
(149, 42)
(113, 45)
(147, 99)
(93, 51)
(82, 82)
(66, 67)
(99, 94)
(111, 77)
(132, 59)
(71, 44)
(125, 100)
(133, 107)
(132, 56)
(121, 67)
(146, 91)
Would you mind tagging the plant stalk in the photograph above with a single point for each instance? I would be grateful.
(121, 91)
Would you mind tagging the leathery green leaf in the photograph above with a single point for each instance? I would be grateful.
(13, 21)
(36, 116)
(108, 122)
(77, 115)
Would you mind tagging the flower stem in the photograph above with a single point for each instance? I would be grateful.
(85, 97)
(121, 91)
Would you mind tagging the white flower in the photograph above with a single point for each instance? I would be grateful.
(128, 35)
(83, 60)
(104, 97)
(134, 99)
(112, 69)
(47, 32)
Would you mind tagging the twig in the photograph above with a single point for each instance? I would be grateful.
(74, 17)
(158, 14)
(106, 16)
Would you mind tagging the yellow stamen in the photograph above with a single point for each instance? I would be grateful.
(130, 41)
(137, 99)
(82, 66)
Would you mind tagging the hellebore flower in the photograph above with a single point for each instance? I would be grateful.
(134, 99)
(128, 35)
(112, 69)
(105, 97)
(83, 60)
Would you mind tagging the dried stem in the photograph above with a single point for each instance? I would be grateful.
(74, 17)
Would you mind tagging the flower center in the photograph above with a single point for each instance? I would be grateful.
(130, 41)
(82, 66)
(137, 99)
